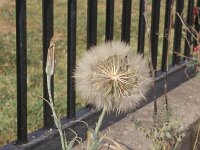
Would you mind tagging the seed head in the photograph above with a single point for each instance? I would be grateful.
(109, 76)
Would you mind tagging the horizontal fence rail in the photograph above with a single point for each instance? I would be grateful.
(92, 16)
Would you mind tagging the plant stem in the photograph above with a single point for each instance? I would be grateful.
(175, 146)
(196, 137)
(56, 120)
(100, 120)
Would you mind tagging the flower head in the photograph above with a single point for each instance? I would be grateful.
(108, 76)
(196, 48)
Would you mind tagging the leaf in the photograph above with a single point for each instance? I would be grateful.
(93, 142)
(71, 144)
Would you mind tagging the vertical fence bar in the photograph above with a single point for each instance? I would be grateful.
(177, 33)
(154, 31)
(166, 34)
(92, 23)
(21, 54)
(71, 57)
(197, 24)
(188, 41)
(126, 20)
(47, 10)
(141, 28)
(109, 19)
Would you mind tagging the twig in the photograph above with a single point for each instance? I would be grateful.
(188, 28)
(192, 58)
(196, 137)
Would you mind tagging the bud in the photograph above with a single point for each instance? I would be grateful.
(50, 64)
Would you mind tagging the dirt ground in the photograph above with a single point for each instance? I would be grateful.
(6, 26)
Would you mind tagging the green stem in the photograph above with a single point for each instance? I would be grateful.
(175, 146)
(196, 140)
(56, 120)
(49, 89)
(100, 120)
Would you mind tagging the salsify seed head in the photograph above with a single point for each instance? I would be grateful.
(109, 76)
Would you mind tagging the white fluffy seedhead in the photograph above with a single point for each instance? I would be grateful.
(109, 76)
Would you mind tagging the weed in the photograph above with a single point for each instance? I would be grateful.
(50, 66)
(165, 131)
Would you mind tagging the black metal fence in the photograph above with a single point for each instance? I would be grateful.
(47, 30)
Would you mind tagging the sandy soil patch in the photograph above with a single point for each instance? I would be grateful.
(5, 26)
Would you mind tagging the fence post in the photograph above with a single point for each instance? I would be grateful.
(188, 41)
(155, 18)
(21, 54)
(197, 24)
(47, 18)
(71, 94)
(109, 19)
(166, 34)
(141, 28)
(91, 23)
(126, 20)
(177, 33)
